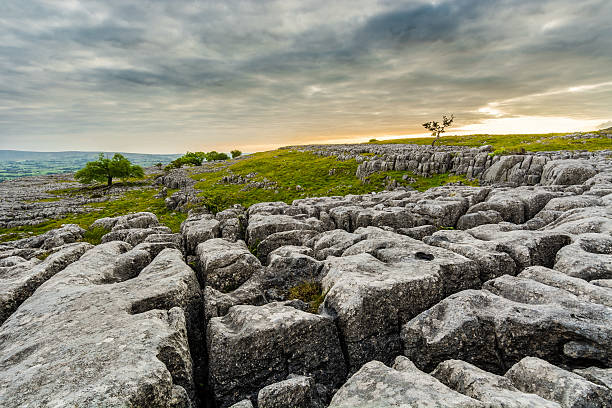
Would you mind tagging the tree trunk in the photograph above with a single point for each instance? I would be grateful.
(110, 181)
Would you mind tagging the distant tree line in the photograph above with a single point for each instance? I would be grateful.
(196, 158)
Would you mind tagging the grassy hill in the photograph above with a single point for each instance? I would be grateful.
(507, 144)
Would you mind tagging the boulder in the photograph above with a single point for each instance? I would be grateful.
(567, 172)
(262, 226)
(368, 287)
(135, 220)
(295, 392)
(477, 218)
(570, 390)
(588, 258)
(404, 385)
(333, 243)
(279, 239)
(491, 389)
(198, 228)
(596, 375)
(578, 287)
(495, 330)
(491, 259)
(255, 346)
(19, 282)
(106, 337)
(225, 265)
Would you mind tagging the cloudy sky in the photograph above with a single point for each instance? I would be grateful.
(170, 76)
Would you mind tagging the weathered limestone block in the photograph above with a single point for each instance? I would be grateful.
(578, 287)
(89, 337)
(254, 346)
(404, 385)
(295, 392)
(492, 260)
(553, 383)
(596, 375)
(588, 258)
(567, 172)
(527, 248)
(198, 228)
(333, 243)
(134, 236)
(491, 389)
(279, 239)
(382, 282)
(262, 226)
(18, 282)
(225, 265)
(135, 220)
(494, 331)
(477, 218)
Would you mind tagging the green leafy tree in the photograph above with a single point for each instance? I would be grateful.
(437, 128)
(105, 170)
(211, 156)
(235, 153)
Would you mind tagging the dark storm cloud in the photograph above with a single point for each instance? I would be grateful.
(184, 74)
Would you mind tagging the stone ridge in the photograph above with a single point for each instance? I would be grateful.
(499, 295)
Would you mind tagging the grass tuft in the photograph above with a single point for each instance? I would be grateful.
(309, 292)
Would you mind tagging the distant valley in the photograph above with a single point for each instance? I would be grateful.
(17, 163)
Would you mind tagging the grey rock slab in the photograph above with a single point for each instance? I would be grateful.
(198, 228)
(296, 392)
(404, 386)
(19, 282)
(567, 203)
(567, 172)
(255, 346)
(225, 265)
(588, 258)
(382, 282)
(477, 218)
(527, 248)
(491, 258)
(494, 391)
(333, 243)
(599, 376)
(279, 239)
(494, 332)
(79, 341)
(135, 220)
(246, 403)
(570, 390)
(579, 287)
(262, 226)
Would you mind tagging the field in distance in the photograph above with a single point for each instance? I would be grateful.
(16, 163)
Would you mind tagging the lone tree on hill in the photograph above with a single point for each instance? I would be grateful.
(437, 128)
(235, 153)
(105, 169)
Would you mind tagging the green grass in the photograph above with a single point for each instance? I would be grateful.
(309, 292)
(508, 144)
(130, 202)
(298, 175)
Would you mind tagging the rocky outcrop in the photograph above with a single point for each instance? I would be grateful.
(94, 319)
(491, 389)
(553, 383)
(513, 318)
(255, 346)
(404, 385)
(18, 282)
(367, 287)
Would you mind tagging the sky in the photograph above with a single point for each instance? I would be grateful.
(161, 76)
